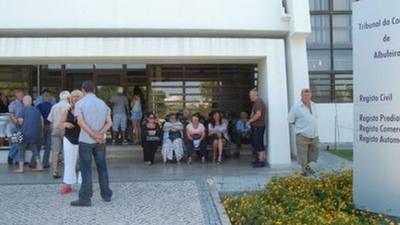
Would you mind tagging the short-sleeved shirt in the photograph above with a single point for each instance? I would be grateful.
(258, 105)
(120, 103)
(305, 121)
(94, 112)
(223, 128)
(44, 109)
(56, 115)
(39, 100)
(190, 130)
(15, 107)
(241, 126)
(136, 106)
(31, 126)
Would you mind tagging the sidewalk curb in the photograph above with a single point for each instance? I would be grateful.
(218, 204)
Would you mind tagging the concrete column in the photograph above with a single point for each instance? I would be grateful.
(272, 84)
(298, 78)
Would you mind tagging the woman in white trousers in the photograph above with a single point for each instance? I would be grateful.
(71, 136)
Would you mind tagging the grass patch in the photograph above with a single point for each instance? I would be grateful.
(345, 154)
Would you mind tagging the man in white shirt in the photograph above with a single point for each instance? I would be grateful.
(304, 117)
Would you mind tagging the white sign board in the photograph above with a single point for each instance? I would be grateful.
(376, 58)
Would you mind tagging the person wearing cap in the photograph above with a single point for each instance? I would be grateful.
(57, 133)
(303, 115)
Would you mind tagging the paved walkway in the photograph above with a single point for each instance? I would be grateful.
(158, 194)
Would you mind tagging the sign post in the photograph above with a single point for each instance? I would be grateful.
(376, 59)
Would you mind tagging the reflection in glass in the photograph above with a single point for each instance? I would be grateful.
(319, 5)
(342, 5)
(320, 36)
(319, 60)
(342, 31)
(343, 60)
(320, 85)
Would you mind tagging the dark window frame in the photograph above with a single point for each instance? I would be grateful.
(332, 72)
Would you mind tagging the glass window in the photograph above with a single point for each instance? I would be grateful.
(342, 5)
(54, 66)
(136, 66)
(319, 5)
(341, 30)
(320, 36)
(343, 60)
(108, 66)
(344, 87)
(320, 85)
(319, 60)
(79, 66)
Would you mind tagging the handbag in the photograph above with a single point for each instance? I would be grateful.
(174, 135)
(196, 142)
(17, 137)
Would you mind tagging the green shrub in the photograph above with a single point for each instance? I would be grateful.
(298, 200)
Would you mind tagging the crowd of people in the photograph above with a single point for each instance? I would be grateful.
(77, 124)
(194, 133)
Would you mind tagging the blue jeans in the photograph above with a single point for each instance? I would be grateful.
(85, 161)
(47, 144)
(202, 149)
(13, 153)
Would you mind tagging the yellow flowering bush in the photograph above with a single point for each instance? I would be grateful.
(297, 200)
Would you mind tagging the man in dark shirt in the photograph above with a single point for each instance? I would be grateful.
(257, 122)
(44, 109)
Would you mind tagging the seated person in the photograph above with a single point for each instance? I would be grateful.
(218, 135)
(173, 143)
(196, 134)
(243, 132)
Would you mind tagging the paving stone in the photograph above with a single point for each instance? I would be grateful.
(166, 202)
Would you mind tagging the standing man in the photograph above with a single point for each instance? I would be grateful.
(44, 109)
(40, 98)
(57, 134)
(94, 119)
(304, 117)
(31, 122)
(14, 108)
(257, 122)
(120, 109)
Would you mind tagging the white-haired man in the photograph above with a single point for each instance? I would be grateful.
(14, 108)
(304, 117)
(30, 121)
(57, 134)
(257, 121)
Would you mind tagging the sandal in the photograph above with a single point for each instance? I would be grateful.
(56, 175)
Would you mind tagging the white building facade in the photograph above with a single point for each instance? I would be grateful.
(270, 34)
